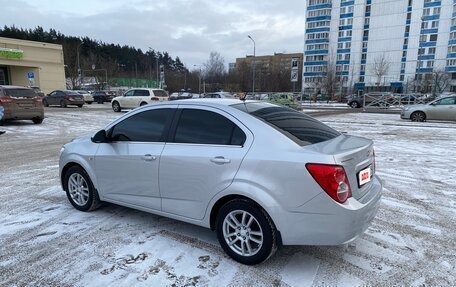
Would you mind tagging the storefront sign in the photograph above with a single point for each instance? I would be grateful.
(11, 53)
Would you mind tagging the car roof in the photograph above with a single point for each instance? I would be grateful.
(14, 87)
(213, 102)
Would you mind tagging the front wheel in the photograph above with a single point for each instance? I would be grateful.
(45, 103)
(418, 117)
(89, 103)
(63, 104)
(79, 106)
(354, 105)
(80, 190)
(246, 232)
(116, 107)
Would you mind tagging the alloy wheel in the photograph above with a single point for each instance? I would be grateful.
(242, 233)
(78, 189)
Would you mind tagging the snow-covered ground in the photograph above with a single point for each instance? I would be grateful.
(46, 242)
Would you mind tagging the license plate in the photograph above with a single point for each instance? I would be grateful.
(26, 105)
(364, 176)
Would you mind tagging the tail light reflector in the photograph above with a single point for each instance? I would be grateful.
(5, 100)
(332, 179)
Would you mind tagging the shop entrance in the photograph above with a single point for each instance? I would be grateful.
(4, 76)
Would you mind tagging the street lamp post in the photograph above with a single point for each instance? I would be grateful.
(254, 64)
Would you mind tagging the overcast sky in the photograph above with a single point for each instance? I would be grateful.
(190, 29)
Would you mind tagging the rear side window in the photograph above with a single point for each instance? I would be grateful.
(148, 126)
(142, 93)
(297, 126)
(20, 93)
(160, 93)
(206, 127)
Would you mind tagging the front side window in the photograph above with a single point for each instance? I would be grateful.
(147, 126)
(446, 101)
(129, 93)
(297, 126)
(206, 127)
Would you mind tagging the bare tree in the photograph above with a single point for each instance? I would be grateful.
(214, 68)
(441, 80)
(330, 81)
(380, 68)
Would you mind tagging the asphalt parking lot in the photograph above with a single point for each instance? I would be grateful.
(46, 242)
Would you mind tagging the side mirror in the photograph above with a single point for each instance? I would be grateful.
(100, 137)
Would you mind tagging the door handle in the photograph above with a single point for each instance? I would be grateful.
(220, 160)
(149, 157)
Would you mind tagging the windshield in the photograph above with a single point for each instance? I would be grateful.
(298, 127)
(20, 93)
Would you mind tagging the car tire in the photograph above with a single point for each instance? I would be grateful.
(355, 105)
(37, 121)
(89, 103)
(251, 237)
(100, 101)
(143, 104)
(45, 103)
(80, 190)
(116, 107)
(79, 106)
(63, 104)
(418, 117)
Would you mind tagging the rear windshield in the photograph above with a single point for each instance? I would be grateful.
(160, 93)
(20, 93)
(297, 126)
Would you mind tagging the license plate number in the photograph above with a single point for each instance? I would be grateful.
(364, 176)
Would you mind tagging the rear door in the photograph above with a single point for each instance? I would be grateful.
(127, 167)
(200, 159)
(140, 96)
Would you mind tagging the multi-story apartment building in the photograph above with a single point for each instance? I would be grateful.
(380, 44)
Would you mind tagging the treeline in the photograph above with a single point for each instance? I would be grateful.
(119, 61)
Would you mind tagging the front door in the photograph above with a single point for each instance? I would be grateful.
(201, 160)
(127, 167)
(444, 109)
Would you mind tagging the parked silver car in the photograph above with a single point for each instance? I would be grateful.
(259, 174)
(440, 109)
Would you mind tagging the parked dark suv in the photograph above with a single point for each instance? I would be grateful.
(21, 103)
(103, 96)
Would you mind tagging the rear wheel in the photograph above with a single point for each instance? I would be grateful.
(116, 107)
(79, 106)
(143, 104)
(89, 103)
(418, 117)
(45, 103)
(246, 232)
(354, 105)
(80, 190)
(37, 121)
(63, 104)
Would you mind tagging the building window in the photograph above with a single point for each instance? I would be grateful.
(421, 51)
(433, 37)
(406, 41)
(401, 78)
(431, 51)
(361, 79)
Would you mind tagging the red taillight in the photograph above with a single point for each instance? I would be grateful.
(332, 179)
(154, 99)
(5, 100)
(69, 97)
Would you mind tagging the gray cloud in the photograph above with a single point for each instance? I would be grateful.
(190, 29)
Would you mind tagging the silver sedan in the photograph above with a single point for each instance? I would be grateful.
(440, 109)
(258, 174)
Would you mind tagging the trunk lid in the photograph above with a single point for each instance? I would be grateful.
(23, 99)
(355, 154)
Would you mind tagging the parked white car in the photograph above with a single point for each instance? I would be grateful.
(138, 97)
(88, 97)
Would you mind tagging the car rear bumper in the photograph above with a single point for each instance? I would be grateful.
(88, 98)
(327, 222)
(23, 114)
